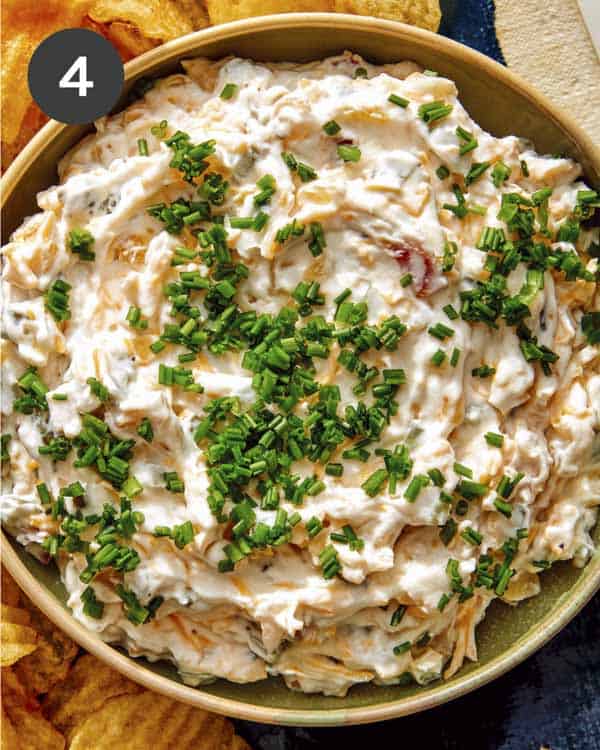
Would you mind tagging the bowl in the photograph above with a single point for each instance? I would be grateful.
(503, 104)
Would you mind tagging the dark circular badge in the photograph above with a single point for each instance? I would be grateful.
(75, 76)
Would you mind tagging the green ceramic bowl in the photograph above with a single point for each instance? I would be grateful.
(502, 104)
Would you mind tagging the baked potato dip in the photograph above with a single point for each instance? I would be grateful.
(300, 372)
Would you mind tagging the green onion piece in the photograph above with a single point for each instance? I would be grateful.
(399, 613)
(91, 606)
(131, 486)
(349, 153)
(416, 484)
(229, 91)
(374, 484)
(142, 145)
(494, 439)
(440, 331)
(98, 389)
(469, 142)
(475, 172)
(472, 536)
(503, 507)
(331, 127)
(438, 358)
(455, 357)
(448, 531)
(334, 470)
(463, 471)
(450, 312)
(500, 173)
(437, 477)
(398, 100)
(483, 371)
(402, 648)
(433, 111)
(442, 172)
(81, 242)
(406, 280)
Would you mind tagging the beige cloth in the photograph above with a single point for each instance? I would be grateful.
(546, 42)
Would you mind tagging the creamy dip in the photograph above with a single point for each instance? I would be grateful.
(300, 372)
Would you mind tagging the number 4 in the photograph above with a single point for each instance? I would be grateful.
(68, 81)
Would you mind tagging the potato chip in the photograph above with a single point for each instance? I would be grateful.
(147, 720)
(423, 13)
(155, 19)
(23, 712)
(51, 661)
(24, 24)
(15, 615)
(16, 641)
(10, 592)
(9, 739)
(220, 11)
(89, 684)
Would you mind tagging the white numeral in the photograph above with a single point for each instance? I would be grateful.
(68, 81)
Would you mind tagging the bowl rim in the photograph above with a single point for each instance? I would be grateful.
(548, 626)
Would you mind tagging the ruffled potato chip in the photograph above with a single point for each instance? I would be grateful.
(25, 23)
(10, 593)
(233, 10)
(9, 739)
(424, 13)
(51, 661)
(22, 713)
(133, 26)
(87, 687)
(155, 19)
(15, 615)
(147, 720)
(16, 641)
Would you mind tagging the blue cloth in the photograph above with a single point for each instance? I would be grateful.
(553, 698)
(472, 23)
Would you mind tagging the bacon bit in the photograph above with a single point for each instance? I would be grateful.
(416, 261)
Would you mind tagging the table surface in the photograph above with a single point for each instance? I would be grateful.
(552, 699)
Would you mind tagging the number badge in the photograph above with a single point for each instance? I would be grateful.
(75, 76)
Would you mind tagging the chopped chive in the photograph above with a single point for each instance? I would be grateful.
(440, 331)
(472, 536)
(402, 648)
(437, 477)
(483, 371)
(398, 100)
(433, 111)
(229, 91)
(334, 470)
(416, 484)
(494, 439)
(448, 531)
(349, 153)
(60, 397)
(463, 470)
(455, 357)
(331, 127)
(399, 613)
(374, 484)
(406, 280)
(450, 312)
(142, 145)
(503, 507)
(442, 172)
(438, 358)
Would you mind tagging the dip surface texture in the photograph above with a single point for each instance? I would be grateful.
(300, 372)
